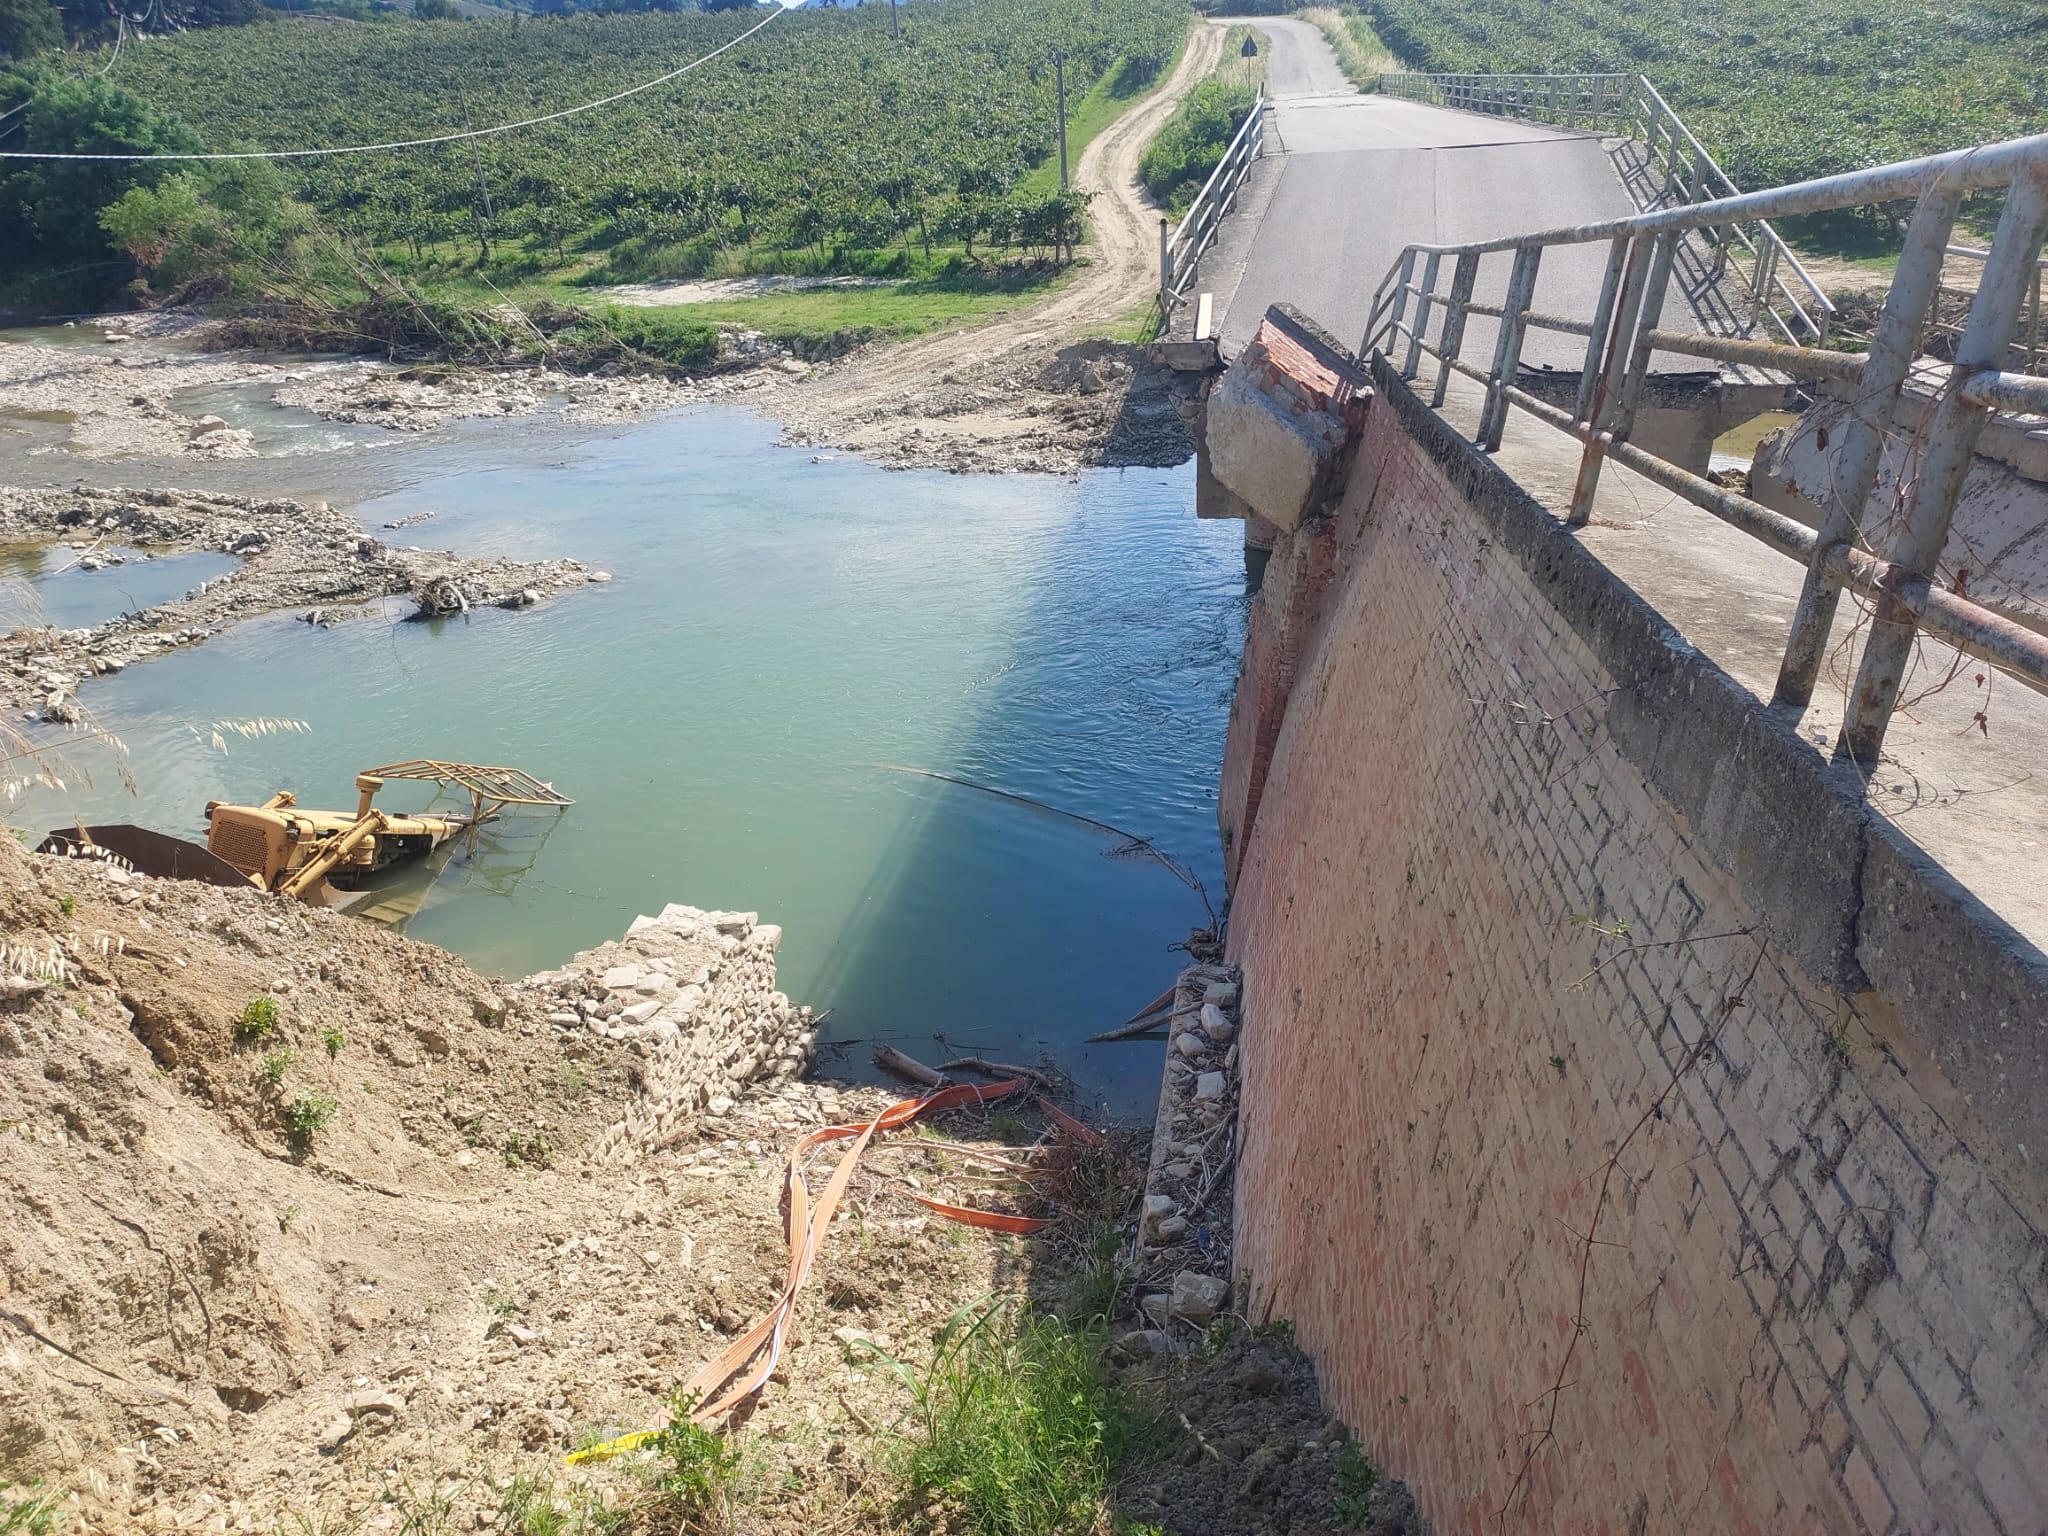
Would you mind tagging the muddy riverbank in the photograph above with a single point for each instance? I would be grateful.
(121, 383)
(289, 555)
(123, 387)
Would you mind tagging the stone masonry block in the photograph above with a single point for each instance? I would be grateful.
(1269, 449)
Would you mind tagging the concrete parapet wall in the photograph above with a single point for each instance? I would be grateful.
(1997, 546)
(1532, 901)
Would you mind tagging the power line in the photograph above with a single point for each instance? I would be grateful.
(444, 138)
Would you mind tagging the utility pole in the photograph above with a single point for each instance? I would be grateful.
(1059, 71)
(895, 33)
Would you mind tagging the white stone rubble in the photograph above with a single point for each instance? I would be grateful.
(1183, 1241)
(694, 992)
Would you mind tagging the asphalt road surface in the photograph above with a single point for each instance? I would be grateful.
(1348, 180)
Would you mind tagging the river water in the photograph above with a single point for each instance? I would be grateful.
(747, 714)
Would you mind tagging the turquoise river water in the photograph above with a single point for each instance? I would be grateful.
(785, 636)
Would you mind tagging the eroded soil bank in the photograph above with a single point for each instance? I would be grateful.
(319, 1230)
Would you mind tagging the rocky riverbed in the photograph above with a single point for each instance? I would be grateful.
(120, 397)
(1023, 402)
(290, 554)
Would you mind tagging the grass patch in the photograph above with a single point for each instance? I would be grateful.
(532, 1506)
(35, 1511)
(1019, 1431)
(1360, 53)
(1852, 242)
(1192, 141)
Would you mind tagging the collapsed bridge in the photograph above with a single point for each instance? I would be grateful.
(1635, 874)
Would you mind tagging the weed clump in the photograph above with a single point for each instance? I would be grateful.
(534, 1147)
(308, 1114)
(531, 1506)
(275, 1065)
(1019, 1430)
(258, 1021)
(1357, 1481)
(699, 1469)
(333, 1038)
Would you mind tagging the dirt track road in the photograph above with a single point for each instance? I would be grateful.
(1020, 392)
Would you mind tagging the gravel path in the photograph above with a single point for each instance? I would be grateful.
(1028, 390)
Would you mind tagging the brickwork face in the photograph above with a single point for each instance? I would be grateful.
(1477, 949)
(1282, 614)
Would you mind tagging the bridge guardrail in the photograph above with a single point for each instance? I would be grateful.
(1623, 331)
(1949, 313)
(1777, 291)
(1182, 245)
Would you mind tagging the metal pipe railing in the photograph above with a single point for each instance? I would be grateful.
(1778, 290)
(1182, 245)
(1901, 583)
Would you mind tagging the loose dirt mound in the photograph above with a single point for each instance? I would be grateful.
(1040, 407)
(279, 1181)
(312, 1229)
(1257, 1455)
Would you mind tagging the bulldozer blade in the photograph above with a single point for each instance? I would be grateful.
(147, 853)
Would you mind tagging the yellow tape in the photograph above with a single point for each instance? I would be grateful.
(605, 1450)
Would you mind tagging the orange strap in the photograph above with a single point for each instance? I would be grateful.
(727, 1381)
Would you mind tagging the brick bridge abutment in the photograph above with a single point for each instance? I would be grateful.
(1640, 1133)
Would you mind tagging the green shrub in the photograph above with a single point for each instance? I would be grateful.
(333, 1038)
(307, 1114)
(1180, 158)
(1357, 1481)
(258, 1021)
(699, 1469)
(275, 1064)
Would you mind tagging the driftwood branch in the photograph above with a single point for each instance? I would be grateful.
(1156, 1014)
(889, 1059)
(995, 1069)
(1136, 1029)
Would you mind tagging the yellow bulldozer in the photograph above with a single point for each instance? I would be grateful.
(283, 848)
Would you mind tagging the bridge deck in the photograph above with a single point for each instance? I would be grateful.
(1968, 790)
(1348, 180)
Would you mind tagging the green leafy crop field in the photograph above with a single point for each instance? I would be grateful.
(819, 136)
(1779, 90)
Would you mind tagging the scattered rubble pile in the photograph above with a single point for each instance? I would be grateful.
(292, 555)
(1183, 1242)
(693, 992)
(426, 396)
